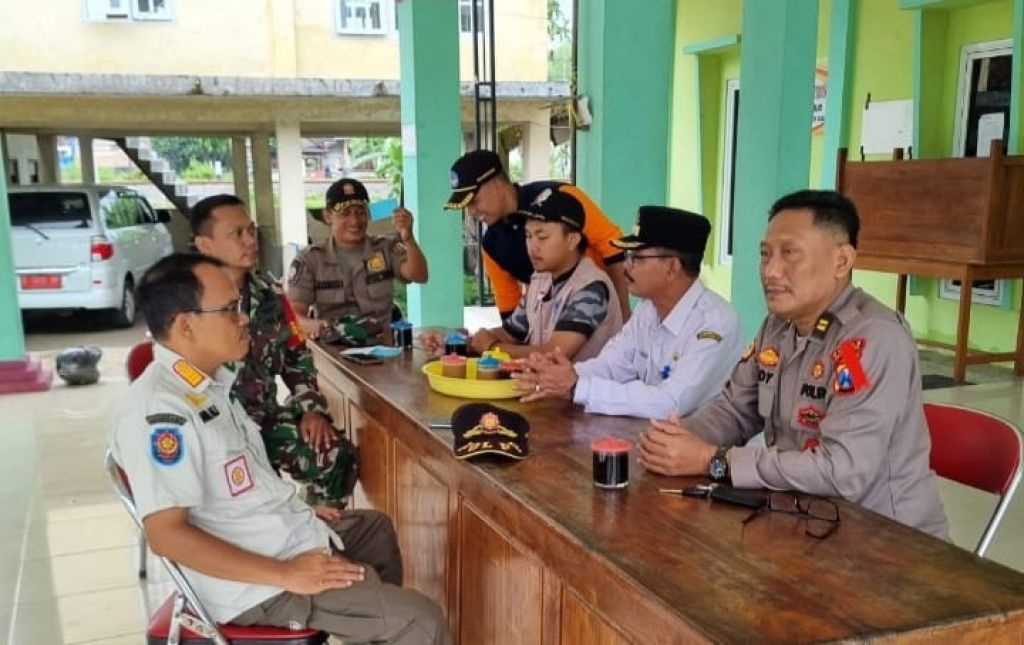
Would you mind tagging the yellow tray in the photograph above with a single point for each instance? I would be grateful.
(469, 387)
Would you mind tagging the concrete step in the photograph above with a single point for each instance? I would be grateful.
(25, 375)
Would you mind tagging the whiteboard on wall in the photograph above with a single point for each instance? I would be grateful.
(887, 125)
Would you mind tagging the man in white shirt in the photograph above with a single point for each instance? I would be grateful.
(210, 500)
(679, 347)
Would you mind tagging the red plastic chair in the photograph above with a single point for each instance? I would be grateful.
(135, 363)
(182, 618)
(138, 359)
(979, 450)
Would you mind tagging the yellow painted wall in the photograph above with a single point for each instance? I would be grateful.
(694, 178)
(262, 38)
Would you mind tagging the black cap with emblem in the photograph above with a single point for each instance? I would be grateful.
(556, 205)
(669, 228)
(469, 172)
(484, 429)
(346, 192)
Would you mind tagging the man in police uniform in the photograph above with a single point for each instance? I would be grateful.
(297, 433)
(481, 187)
(352, 274)
(832, 379)
(677, 349)
(211, 501)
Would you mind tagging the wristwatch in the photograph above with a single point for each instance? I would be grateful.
(718, 466)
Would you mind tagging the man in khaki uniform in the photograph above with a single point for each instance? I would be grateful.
(211, 501)
(832, 379)
(352, 273)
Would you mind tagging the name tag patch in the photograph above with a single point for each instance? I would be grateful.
(238, 475)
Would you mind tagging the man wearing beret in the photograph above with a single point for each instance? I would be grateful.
(481, 187)
(352, 273)
(680, 345)
(831, 379)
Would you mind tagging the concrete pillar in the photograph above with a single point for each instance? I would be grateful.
(431, 136)
(773, 137)
(266, 221)
(625, 68)
(12, 336)
(537, 146)
(87, 159)
(240, 167)
(291, 171)
(49, 168)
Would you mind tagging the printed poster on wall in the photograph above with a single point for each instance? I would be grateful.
(818, 113)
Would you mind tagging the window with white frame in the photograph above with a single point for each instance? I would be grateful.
(128, 10)
(363, 16)
(466, 15)
(151, 9)
(982, 112)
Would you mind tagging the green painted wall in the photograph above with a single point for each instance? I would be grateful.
(883, 62)
(625, 67)
(12, 337)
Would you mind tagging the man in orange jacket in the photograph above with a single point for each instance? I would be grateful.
(481, 187)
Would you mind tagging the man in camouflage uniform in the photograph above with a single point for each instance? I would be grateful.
(352, 273)
(297, 433)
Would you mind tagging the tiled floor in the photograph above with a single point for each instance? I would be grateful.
(67, 550)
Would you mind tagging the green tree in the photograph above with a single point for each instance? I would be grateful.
(559, 43)
(180, 152)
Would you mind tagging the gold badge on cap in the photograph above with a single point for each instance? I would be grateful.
(348, 189)
(542, 197)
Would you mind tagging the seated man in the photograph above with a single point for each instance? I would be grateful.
(570, 304)
(211, 501)
(481, 187)
(677, 349)
(352, 273)
(298, 435)
(832, 379)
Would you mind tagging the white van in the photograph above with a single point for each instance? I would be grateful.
(83, 247)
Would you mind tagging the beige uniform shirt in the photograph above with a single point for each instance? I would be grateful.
(320, 277)
(841, 410)
(185, 444)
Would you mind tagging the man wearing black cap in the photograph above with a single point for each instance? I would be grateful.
(352, 273)
(679, 347)
(481, 187)
(570, 304)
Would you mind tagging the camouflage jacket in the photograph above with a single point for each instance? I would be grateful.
(277, 348)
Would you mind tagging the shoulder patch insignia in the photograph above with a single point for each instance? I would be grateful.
(850, 376)
(810, 417)
(769, 357)
(747, 353)
(165, 443)
(166, 417)
(193, 377)
(377, 262)
(707, 334)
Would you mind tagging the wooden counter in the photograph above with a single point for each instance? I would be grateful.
(531, 552)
